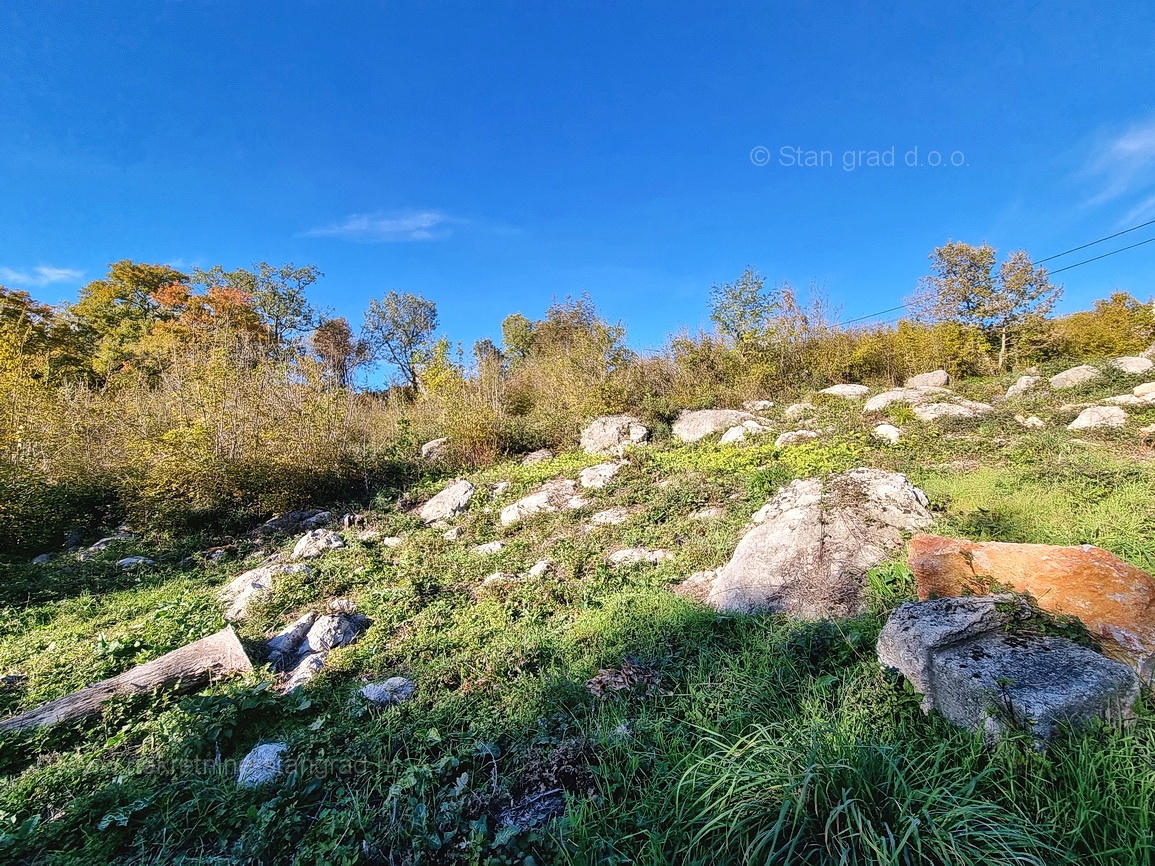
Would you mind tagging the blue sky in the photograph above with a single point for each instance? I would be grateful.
(494, 156)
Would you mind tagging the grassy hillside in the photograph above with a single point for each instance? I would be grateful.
(744, 739)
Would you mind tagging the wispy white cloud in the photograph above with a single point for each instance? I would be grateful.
(39, 276)
(1123, 166)
(426, 225)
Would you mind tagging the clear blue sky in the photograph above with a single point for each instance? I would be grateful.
(491, 156)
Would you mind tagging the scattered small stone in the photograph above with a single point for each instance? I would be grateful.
(795, 437)
(710, 512)
(261, 765)
(936, 379)
(1031, 422)
(551, 497)
(391, 541)
(489, 548)
(799, 410)
(393, 691)
(11, 682)
(332, 631)
(538, 568)
(501, 577)
(42, 559)
(1132, 366)
(913, 396)
(611, 516)
(1075, 376)
(102, 545)
(130, 562)
(499, 488)
(631, 555)
(1099, 416)
(453, 534)
(758, 405)
(435, 448)
(539, 456)
(887, 433)
(600, 475)
(297, 521)
(287, 641)
(846, 392)
(257, 581)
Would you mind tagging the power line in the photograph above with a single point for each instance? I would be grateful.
(872, 315)
(1105, 255)
(1092, 243)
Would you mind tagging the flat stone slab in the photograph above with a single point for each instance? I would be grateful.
(551, 497)
(846, 392)
(958, 655)
(1075, 376)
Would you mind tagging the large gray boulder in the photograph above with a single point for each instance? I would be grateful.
(550, 497)
(1022, 385)
(612, 434)
(435, 448)
(600, 475)
(959, 654)
(450, 502)
(846, 392)
(331, 631)
(1075, 376)
(261, 765)
(1136, 366)
(913, 396)
(935, 379)
(813, 542)
(693, 426)
(1099, 416)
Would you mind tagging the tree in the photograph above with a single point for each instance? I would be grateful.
(399, 330)
(277, 293)
(965, 287)
(115, 313)
(339, 352)
(516, 336)
(741, 309)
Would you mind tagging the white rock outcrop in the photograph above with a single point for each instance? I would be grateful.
(612, 434)
(449, 503)
(551, 497)
(1099, 416)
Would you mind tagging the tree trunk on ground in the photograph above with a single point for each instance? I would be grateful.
(182, 670)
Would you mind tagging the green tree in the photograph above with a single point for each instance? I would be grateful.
(965, 286)
(277, 293)
(516, 336)
(339, 352)
(742, 309)
(399, 330)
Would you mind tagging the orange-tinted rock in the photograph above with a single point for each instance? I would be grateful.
(1114, 599)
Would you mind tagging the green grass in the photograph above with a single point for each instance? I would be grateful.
(766, 740)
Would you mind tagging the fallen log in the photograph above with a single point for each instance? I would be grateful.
(182, 670)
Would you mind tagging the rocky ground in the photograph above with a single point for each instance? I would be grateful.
(661, 647)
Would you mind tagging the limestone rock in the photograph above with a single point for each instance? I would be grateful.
(1114, 599)
(799, 410)
(935, 379)
(499, 488)
(1132, 366)
(1147, 389)
(332, 631)
(631, 555)
(242, 590)
(103, 545)
(449, 503)
(297, 521)
(758, 405)
(846, 392)
(693, 426)
(453, 533)
(307, 668)
(814, 540)
(42, 559)
(710, 512)
(130, 562)
(599, 476)
(539, 456)
(395, 690)
(489, 548)
(1099, 416)
(1022, 386)
(550, 497)
(612, 434)
(288, 640)
(930, 412)
(261, 765)
(794, 437)
(913, 396)
(696, 587)
(538, 568)
(611, 516)
(317, 542)
(887, 433)
(500, 577)
(435, 448)
(1075, 376)
(1031, 422)
(978, 676)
